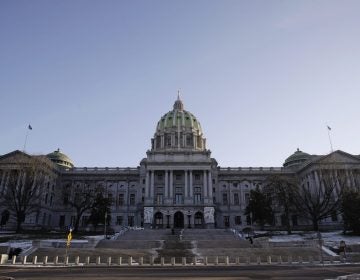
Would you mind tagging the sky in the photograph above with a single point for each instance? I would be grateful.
(264, 78)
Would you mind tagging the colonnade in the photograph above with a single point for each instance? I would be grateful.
(187, 183)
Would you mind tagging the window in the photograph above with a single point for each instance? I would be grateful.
(197, 177)
(197, 197)
(179, 189)
(62, 221)
(168, 140)
(66, 199)
(225, 198)
(178, 198)
(189, 140)
(121, 199)
(119, 220)
(247, 198)
(159, 199)
(51, 200)
(178, 177)
(131, 221)
(214, 199)
(237, 220)
(197, 189)
(226, 221)
(158, 142)
(132, 199)
(236, 199)
(198, 219)
(110, 197)
(46, 198)
(160, 177)
(235, 184)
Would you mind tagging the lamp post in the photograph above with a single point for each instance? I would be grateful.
(105, 222)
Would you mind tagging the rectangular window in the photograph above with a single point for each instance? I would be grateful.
(179, 189)
(197, 177)
(247, 198)
(237, 220)
(121, 199)
(236, 199)
(225, 198)
(197, 197)
(197, 190)
(178, 199)
(119, 220)
(132, 199)
(159, 199)
(214, 199)
(131, 221)
(110, 197)
(62, 221)
(178, 177)
(226, 221)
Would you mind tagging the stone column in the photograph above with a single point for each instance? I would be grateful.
(147, 185)
(210, 187)
(152, 185)
(191, 185)
(205, 185)
(186, 185)
(166, 184)
(171, 185)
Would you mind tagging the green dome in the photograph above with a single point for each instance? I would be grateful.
(178, 130)
(60, 159)
(296, 159)
(178, 118)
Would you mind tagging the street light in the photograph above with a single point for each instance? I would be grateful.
(105, 225)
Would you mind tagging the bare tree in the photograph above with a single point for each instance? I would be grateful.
(320, 198)
(23, 192)
(81, 198)
(282, 189)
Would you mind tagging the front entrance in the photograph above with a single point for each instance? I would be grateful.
(179, 220)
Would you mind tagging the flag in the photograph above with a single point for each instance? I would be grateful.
(69, 238)
(329, 128)
(30, 127)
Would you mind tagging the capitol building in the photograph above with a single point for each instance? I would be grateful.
(177, 185)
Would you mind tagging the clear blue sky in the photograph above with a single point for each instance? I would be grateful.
(263, 77)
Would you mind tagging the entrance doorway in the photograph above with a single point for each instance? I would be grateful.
(179, 220)
(199, 220)
(158, 220)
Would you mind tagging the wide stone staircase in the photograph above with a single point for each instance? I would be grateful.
(163, 244)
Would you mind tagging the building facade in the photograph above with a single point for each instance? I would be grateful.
(178, 184)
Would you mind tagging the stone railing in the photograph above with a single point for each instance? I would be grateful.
(103, 169)
(254, 169)
(178, 261)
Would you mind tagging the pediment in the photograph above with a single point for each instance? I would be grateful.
(14, 157)
(337, 157)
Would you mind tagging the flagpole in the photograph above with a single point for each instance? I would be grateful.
(27, 133)
(331, 146)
